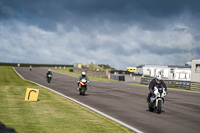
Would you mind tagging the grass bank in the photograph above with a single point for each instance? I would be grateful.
(51, 114)
(90, 77)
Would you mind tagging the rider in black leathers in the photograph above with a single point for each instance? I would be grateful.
(49, 72)
(154, 82)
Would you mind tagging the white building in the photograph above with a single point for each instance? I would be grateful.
(167, 72)
(179, 73)
(195, 77)
(152, 70)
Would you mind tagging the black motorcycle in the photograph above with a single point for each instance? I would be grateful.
(49, 76)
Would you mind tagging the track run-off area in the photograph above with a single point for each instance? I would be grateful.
(127, 103)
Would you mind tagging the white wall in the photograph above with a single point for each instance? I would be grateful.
(165, 71)
(152, 71)
(182, 74)
(195, 77)
(139, 70)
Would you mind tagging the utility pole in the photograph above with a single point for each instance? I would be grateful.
(189, 54)
(182, 57)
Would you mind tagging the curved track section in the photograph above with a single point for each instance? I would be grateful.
(127, 103)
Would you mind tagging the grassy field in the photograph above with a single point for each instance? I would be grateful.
(94, 66)
(90, 77)
(52, 113)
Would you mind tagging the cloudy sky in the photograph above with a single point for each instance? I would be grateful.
(120, 33)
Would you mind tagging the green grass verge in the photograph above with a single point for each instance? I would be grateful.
(93, 66)
(52, 113)
(90, 77)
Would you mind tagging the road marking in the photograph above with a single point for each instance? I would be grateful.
(93, 109)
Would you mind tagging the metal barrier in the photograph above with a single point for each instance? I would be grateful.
(195, 86)
(172, 83)
(146, 80)
(132, 78)
(118, 77)
(178, 84)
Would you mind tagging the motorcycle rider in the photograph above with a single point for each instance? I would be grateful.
(154, 82)
(49, 72)
(83, 75)
(30, 67)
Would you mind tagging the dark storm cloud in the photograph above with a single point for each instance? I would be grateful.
(99, 30)
(47, 13)
(160, 50)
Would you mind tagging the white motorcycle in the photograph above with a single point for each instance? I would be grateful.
(157, 99)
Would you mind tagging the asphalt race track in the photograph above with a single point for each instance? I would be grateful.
(127, 103)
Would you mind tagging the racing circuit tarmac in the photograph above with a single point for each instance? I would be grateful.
(127, 103)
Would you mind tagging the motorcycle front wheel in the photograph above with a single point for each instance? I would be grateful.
(159, 108)
(80, 91)
(83, 91)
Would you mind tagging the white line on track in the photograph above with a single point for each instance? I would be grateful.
(93, 109)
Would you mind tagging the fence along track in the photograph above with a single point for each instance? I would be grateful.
(176, 83)
(194, 86)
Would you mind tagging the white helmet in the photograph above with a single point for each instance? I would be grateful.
(83, 73)
(49, 70)
(158, 79)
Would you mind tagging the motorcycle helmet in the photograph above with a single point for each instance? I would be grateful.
(158, 79)
(83, 74)
(49, 70)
